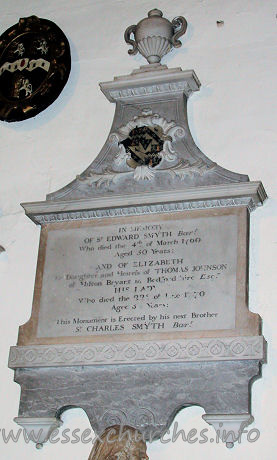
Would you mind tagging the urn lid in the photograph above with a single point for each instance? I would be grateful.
(155, 12)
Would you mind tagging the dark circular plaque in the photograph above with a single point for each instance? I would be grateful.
(35, 64)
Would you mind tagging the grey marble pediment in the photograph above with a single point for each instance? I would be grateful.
(155, 98)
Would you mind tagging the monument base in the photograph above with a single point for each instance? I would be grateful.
(123, 395)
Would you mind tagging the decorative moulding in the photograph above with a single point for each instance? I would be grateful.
(154, 81)
(249, 194)
(186, 350)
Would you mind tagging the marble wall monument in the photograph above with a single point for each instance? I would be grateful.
(142, 274)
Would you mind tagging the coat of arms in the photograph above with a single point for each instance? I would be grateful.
(34, 67)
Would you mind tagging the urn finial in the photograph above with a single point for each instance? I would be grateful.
(155, 12)
(155, 36)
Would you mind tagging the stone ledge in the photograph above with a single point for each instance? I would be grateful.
(250, 194)
(186, 350)
(141, 83)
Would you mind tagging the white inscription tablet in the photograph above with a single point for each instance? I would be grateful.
(161, 276)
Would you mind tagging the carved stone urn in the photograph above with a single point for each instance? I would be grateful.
(155, 35)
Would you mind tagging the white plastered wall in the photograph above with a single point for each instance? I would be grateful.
(232, 119)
